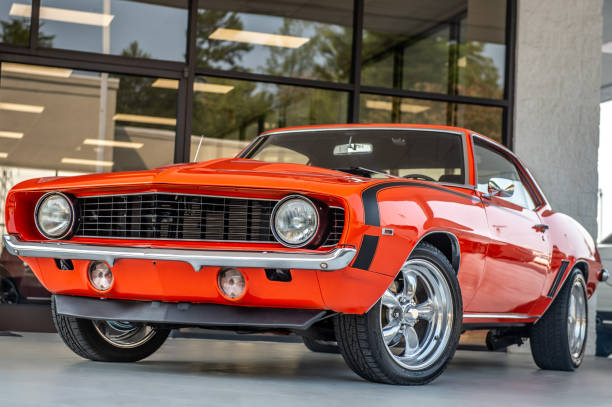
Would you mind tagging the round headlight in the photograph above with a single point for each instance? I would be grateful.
(54, 215)
(295, 221)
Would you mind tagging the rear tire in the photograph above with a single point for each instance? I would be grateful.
(558, 339)
(86, 338)
(410, 335)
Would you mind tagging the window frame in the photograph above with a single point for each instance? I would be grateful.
(459, 133)
(534, 191)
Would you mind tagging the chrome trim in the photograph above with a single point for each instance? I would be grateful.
(603, 277)
(273, 216)
(499, 316)
(72, 218)
(336, 259)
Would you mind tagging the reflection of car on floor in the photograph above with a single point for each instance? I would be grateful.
(17, 282)
(382, 242)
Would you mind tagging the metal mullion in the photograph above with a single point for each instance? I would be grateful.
(279, 80)
(434, 96)
(356, 53)
(509, 74)
(181, 123)
(182, 150)
(34, 24)
(92, 62)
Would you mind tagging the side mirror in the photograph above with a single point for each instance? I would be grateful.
(499, 187)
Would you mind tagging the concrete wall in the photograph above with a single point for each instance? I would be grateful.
(557, 103)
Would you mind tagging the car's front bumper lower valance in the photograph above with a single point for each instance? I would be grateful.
(189, 314)
(335, 259)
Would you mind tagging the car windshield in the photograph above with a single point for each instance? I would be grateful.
(374, 153)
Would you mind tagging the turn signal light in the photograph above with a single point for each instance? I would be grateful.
(231, 283)
(100, 276)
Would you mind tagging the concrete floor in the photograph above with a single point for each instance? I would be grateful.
(38, 370)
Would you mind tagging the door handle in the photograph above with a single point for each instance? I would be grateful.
(541, 227)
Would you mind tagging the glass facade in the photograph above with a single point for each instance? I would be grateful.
(15, 26)
(450, 47)
(304, 39)
(129, 28)
(114, 85)
(228, 113)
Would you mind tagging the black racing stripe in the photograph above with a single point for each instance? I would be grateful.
(366, 252)
(560, 273)
(370, 203)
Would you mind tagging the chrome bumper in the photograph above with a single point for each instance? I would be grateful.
(333, 260)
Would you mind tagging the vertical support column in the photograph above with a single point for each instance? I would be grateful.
(34, 24)
(102, 113)
(508, 113)
(184, 108)
(556, 110)
(358, 7)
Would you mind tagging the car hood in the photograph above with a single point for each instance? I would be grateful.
(231, 172)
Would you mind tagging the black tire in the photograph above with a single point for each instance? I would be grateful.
(603, 347)
(321, 346)
(9, 292)
(550, 345)
(83, 338)
(364, 350)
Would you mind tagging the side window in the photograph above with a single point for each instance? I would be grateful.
(491, 164)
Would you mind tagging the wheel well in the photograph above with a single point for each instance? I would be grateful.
(583, 267)
(448, 244)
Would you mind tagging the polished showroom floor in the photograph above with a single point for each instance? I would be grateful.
(37, 370)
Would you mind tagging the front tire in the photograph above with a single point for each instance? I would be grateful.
(558, 339)
(410, 335)
(108, 341)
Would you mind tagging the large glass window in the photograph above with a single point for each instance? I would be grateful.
(144, 29)
(386, 109)
(15, 21)
(453, 47)
(56, 121)
(305, 39)
(229, 113)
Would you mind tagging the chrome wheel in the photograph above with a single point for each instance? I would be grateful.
(417, 315)
(124, 334)
(576, 319)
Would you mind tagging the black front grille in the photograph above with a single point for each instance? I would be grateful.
(185, 217)
(175, 216)
(336, 226)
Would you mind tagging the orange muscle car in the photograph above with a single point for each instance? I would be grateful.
(381, 242)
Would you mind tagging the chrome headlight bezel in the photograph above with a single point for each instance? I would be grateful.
(279, 205)
(71, 223)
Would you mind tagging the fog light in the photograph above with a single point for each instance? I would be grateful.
(231, 283)
(100, 276)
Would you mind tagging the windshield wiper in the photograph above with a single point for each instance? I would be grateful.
(362, 170)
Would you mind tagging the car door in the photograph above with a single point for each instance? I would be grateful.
(518, 253)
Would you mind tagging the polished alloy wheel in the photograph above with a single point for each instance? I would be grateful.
(417, 315)
(123, 334)
(576, 319)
